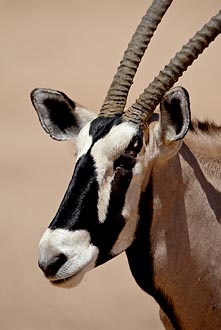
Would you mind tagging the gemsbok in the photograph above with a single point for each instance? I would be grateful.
(145, 183)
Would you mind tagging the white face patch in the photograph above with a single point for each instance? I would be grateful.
(105, 151)
(114, 142)
(75, 245)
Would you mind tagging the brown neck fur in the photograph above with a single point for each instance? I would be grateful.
(186, 232)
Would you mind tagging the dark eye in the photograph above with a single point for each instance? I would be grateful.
(128, 159)
(125, 161)
(135, 145)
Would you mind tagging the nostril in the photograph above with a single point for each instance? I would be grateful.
(52, 266)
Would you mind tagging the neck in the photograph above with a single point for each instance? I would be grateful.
(176, 256)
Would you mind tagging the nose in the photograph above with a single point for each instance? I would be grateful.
(51, 267)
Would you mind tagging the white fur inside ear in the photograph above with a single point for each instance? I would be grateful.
(162, 145)
(175, 115)
(168, 131)
(83, 115)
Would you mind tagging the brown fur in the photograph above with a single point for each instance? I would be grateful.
(204, 139)
(186, 231)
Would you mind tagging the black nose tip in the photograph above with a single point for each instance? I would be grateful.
(52, 266)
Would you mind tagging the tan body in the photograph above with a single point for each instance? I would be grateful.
(186, 232)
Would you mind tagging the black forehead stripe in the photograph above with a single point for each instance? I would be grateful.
(101, 126)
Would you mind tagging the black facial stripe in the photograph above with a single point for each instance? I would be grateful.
(140, 256)
(78, 209)
(119, 189)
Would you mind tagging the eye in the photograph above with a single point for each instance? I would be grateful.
(135, 145)
(127, 160)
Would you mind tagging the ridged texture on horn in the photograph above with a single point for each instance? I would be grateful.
(141, 111)
(116, 98)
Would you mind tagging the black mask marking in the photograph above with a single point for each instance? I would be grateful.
(79, 206)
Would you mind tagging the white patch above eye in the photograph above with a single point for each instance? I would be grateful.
(114, 142)
(107, 149)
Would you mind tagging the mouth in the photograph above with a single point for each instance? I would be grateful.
(68, 282)
(61, 282)
(74, 279)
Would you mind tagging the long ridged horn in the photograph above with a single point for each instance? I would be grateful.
(116, 98)
(141, 111)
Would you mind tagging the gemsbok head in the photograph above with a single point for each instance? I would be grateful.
(139, 186)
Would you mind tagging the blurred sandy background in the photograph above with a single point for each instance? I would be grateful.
(75, 46)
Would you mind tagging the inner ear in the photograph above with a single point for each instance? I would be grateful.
(61, 109)
(175, 114)
(56, 113)
(60, 117)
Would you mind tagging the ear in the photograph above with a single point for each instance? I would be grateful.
(60, 117)
(175, 115)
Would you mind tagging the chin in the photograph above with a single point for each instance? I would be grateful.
(72, 281)
(69, 282)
